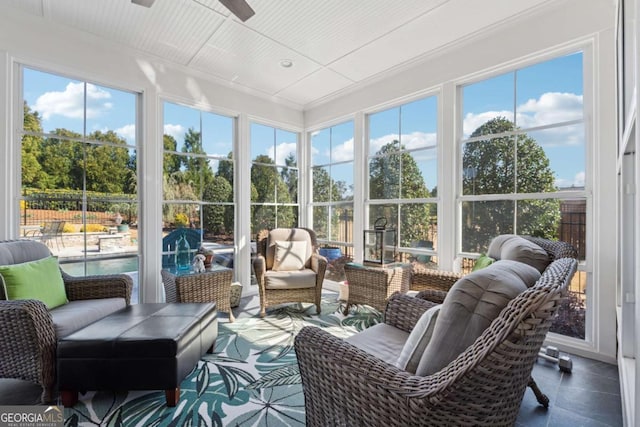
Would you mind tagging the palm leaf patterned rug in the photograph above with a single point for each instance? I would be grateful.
(251, 379)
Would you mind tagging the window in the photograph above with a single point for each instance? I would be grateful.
(79, 175)
(522, 165)
(332, 169)
(198, 184)
(274, 178)
(403, 170)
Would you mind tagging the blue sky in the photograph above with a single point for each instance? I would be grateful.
(542, 94)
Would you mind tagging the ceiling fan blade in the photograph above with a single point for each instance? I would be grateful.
(145, 3)
(240, 8)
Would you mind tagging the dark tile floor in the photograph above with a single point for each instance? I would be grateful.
(588, 396)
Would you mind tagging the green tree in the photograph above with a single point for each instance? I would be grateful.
(325, 190)
(505, 165)
(171, 162)
(393, 174)
(216, 217)
(63, 160)
(269, 189)
(197, 171)
(107, 167)
(32, 173)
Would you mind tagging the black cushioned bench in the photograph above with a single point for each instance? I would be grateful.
(141, 347)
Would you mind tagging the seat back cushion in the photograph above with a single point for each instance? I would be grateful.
(287, 235)
(418, 339)
(289, 255)
(516, 248)
(470, 306)
(40, 280)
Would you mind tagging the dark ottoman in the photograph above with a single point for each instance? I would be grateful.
(141, 347)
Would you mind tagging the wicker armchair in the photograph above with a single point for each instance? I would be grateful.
(27, 334)
(441, 281)
(277, 287)
(484, 385)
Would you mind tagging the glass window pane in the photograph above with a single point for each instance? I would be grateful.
(488, 166)
(418, 225)
(178, 185)
(264, 180)
(418, 122)
(321, 147)
(383, 129)
(218, 221)
(538, 218)
(342, 142)
(321, 222)
(571, 317)
(286, 216)
(342, 181)
(286, 148)
(176, 215)
(386, 212)
(178, 119)
(217, 135)
(263, 217)
(542, 100)
(486, 100)
(262, 143)
(321, 185)
(342, 223)
(287, 189)
(384, 177)
(552, 160)
(482, 221)
(61, 165)
(59, 101)
(112, 111)
(413, 185)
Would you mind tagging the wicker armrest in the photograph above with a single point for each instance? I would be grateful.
(260, 268)
(103, 286)
(318, 264)
(352, 387)
(432, 295)
(424, 279)
(27, 343)
(403, 311)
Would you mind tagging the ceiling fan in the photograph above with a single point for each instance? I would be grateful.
(239, 8)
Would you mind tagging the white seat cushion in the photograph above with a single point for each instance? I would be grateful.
(298, 279)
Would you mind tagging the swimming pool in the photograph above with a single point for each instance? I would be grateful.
(127, 265)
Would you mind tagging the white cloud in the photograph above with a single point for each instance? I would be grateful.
(128, 132)
(343, 152)
(70, 103)
(409, 141)
(551, 107)
(176, 131)
(578, 180)
(283, 150)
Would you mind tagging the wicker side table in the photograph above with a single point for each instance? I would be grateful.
(373, 285)
(210, 286)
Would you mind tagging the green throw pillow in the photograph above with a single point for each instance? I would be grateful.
(482, 262)
(39, 280)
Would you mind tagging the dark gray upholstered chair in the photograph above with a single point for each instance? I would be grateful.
(29, 331)
(345, 383)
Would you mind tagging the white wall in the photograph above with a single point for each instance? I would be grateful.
(38, 43)
(563, 26)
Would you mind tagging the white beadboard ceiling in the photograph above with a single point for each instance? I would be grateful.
(333, 44)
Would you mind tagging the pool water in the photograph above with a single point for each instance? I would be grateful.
(106, 266)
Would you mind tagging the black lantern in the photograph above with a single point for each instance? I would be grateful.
(380, 244)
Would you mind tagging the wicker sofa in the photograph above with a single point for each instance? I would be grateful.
(29, 331)
(358, 381)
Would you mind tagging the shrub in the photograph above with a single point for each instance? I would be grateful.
(94, 228)
(69, 228)
(181, 220)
